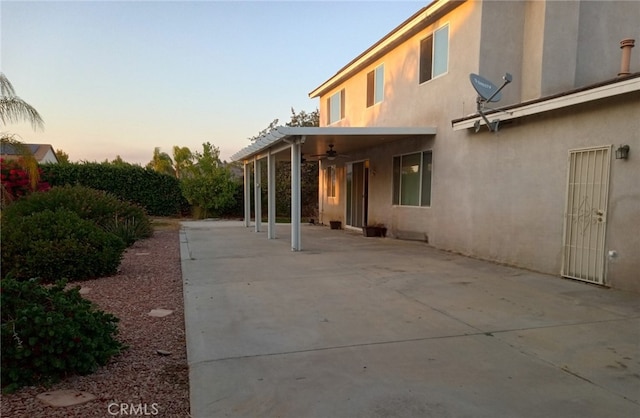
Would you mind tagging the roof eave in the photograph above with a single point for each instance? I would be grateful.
(574, 97)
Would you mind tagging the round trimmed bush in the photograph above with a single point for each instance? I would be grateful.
(54, 245)
(49, 332)
(124, 219)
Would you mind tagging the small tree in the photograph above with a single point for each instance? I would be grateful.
(304, 119)
(309, 171)
(182, 160)
(118, 162)
(272, 126)
(207, 184)
(63, 157)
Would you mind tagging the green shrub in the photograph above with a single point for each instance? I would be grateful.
(50, 332)
(128, 229)
(54, 245)
(124, 219)
(159, 194)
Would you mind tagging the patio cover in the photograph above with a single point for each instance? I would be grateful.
(290, 143)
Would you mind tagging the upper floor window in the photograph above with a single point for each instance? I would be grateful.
(434, 54)
(335, 107)
(412, 179)
(375, 85)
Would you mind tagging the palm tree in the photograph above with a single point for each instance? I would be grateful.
(14, 109)
(161, 162)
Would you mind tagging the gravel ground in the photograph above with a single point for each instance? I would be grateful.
(149, 278)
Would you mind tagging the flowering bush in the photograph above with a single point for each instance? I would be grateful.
(15, 180)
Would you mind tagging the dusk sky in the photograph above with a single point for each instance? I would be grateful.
(120, 78)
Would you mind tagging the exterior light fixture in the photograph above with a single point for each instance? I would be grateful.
(622, 153)
(333, 157)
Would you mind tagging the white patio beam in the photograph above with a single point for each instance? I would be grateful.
(271, 196)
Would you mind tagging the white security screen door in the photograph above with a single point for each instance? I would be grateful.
(586, 214)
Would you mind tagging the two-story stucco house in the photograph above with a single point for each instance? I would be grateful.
(553, 187)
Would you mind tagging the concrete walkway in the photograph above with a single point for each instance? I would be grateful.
(373, 327)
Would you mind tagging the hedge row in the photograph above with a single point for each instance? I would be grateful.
(159, 194)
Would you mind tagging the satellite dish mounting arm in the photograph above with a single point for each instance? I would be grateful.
(483, 99)
(493, 126)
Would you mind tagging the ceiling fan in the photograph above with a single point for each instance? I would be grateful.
(330, 155)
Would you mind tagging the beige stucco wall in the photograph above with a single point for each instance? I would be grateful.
(501, 196)
(565, 44)
(407, 103)
(603, 24)
(501, 46)
(514, 188)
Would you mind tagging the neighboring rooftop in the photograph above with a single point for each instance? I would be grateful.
(43, 153)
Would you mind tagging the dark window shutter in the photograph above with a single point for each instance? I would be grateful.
(426, 58)
(342, 104)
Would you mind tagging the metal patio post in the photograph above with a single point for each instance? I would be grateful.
(295, 195)
(271, 196)
(257, 198)
(247, 196)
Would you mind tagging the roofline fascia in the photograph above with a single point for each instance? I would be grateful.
(420, 20)
(554, 102)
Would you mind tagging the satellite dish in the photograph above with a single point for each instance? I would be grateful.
(485, 88)
(487, 92)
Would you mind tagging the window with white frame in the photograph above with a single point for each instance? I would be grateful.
(375, 85)
(330, 181)
(335, 107)
(434, 54)
(412, 179)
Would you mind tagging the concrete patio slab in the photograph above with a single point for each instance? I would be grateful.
(469, 376)
(371, 327)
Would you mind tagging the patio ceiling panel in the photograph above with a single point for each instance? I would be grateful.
(318, 139)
